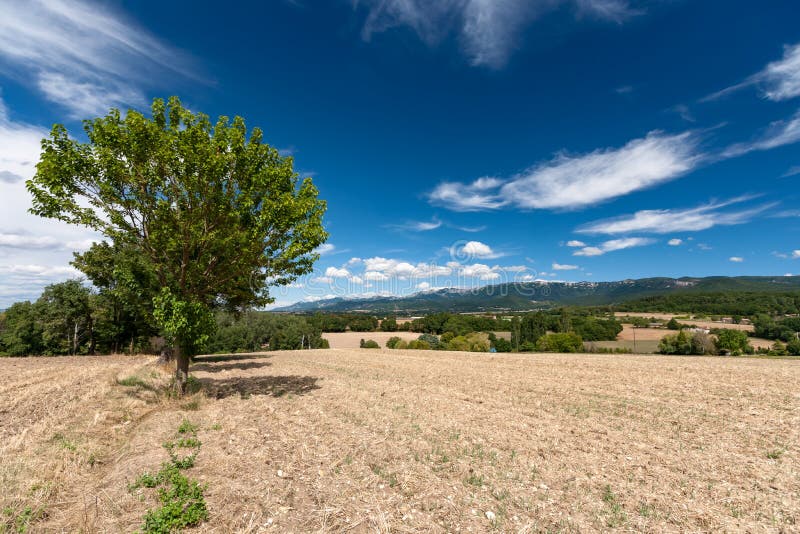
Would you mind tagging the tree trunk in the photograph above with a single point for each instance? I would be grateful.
(181, 368)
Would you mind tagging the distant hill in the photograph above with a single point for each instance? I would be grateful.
(535, 295)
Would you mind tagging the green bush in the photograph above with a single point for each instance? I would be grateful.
(391, 343)
(419, 344)
(369, 344)
(502, 345)
(560, 342)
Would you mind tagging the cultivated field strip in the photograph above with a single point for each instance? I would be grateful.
(410, 441)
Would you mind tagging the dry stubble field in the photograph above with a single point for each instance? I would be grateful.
(410, 441)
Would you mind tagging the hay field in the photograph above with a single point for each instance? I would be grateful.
(414, 441)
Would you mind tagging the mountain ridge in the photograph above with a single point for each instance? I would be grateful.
(523, 296)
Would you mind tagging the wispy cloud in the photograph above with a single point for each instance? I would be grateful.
(417, 226)
(736, 259)
(779, 80)
(488, 30)
(614, 244)
(564, 267)
(570, 182)
(575, 243)
(793, 171)
(675, 242)
(84, 57)
(666, 221)
(779, 133)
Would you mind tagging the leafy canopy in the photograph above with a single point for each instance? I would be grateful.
(219, 215)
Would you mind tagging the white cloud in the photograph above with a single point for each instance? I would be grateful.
(475, 196)
(477, 249)
(333, 272)
(795, 254)
(325, 249)
(25, 239)
(793, 171)
(779, 133)
(575, 243)
(354, 261)
(614, 244)
(423, 286)
(489, 30)
(736, 259)
(82, 56)
(375, 276)
(418, 226)
(675, 242)
(564, 267)
(570, 182)
(779, 80)
(676, 220)
(357, 280)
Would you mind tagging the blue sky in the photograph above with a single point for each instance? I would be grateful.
(468, 143)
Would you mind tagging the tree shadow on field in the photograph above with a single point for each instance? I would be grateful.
(245, 386)
(219, 367)
(230, 357)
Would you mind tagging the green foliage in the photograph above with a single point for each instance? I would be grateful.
(122, 308)
(685, 343)
(473, 342)
(19, 521)
(785, 329)
(254, 331)
(439, 323)
(391, 343)
(187, 324)
(502, 345)
(419, 344)
(733, 342)
(369, 344)
(672, 324)
(20, 331)
(730, 302)
(182, 503)
(560, 342)
(431, 340)
(389, 325)
(219, 215)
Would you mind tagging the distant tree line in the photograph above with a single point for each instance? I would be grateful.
(576, 325)
(744, 303)
(255, 331)
(71, 318)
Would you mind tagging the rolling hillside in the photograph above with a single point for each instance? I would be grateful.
(533, 295)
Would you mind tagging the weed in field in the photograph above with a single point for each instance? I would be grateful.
(132, 382)
(186, 427)
(64, 442)
(617, 516)
(646, 510)
(182, 501)
(775, 454)
(19, 521)
(474, 480)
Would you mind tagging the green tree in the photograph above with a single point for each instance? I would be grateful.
(734, 342)
(127, 284)
(20, 332)
(65, 313)
(389, 325)
(219, 215)
(560, 342)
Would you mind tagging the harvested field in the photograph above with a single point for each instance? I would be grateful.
(409, 441)
(351, 340)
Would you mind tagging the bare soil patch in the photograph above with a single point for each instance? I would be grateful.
(410, 441)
